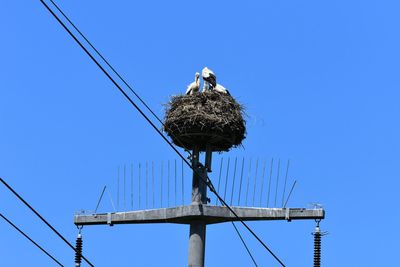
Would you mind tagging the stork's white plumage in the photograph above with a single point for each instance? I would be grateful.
(209, 78)
(219, 88)
(194, 87)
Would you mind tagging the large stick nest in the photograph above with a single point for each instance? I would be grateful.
(205, 118)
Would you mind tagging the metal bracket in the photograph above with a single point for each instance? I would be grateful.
(109, 219)
(287, 215)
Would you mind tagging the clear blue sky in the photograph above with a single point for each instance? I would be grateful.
(319, 79)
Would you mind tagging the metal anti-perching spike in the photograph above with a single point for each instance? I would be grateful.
(78, 249)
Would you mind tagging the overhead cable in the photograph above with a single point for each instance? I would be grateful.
(30, 239)
(208, 181)
(113, 69)
(41, 217)
(244, 244)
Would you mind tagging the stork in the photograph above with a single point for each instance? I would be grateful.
(209, 78)
(220, 89)
(194, 87)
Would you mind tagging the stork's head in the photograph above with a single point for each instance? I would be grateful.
(205, 72)
(197, 75)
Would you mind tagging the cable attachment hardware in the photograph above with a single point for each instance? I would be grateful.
(210, 185)
(317, 243)
(78, 249)
(190, 156)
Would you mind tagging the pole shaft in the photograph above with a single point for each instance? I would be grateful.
(197, 244)
(197, 235)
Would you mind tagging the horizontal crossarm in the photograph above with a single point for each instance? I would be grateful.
(209, 214)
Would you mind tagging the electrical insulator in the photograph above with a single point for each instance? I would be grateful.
(317, 247)
(78, 251)
(317, 244)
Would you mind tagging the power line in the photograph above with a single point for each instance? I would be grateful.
(113, 81)
(208, 181)
(30, 239)
(113, 70)
(210, 185)
(244, 244)
(43, 219)
(106, 61)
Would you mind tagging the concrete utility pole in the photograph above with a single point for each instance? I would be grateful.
(199, 213)
(197, 236)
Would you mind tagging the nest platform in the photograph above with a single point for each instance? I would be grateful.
(205, 118)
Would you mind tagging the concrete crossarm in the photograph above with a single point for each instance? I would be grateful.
(209, 214)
